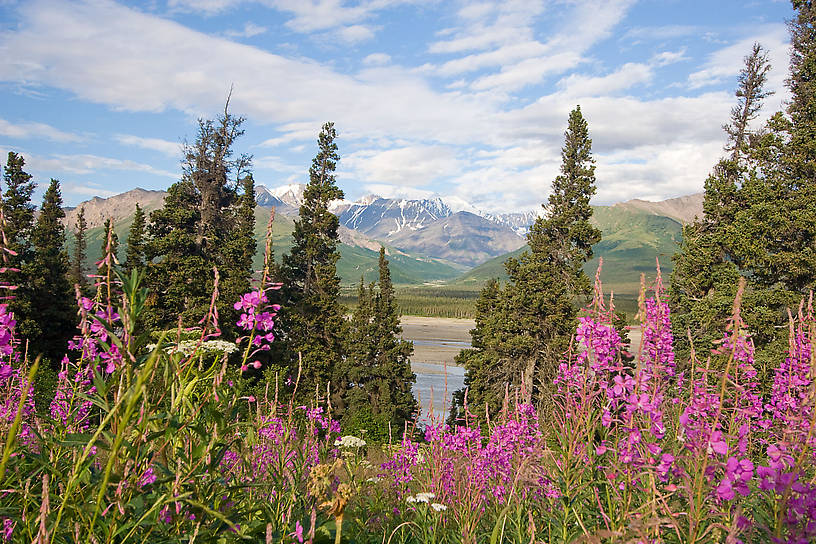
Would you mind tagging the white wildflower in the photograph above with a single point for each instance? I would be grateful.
(187, 347)
(374, 480)
(411, 499)
(350, 442)
(425, 497)
(439, 507)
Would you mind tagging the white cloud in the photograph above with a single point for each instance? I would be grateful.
(355, 33)
(410, 166)
(166, 147)
(28, 130)
(81, 164)
(88, 190)
(250, 30)
(666, 58)
(208, 7)
(377, 59)
(88, 164)
(397, 191)
(192, 72)
(273, 162)
(501, 35)
(665, 32)
(397, 129)
(628, 75)
(725, 63)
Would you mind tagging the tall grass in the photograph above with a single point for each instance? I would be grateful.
(158, 441)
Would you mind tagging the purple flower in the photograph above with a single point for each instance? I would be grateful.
(298, 532)
(147, 478)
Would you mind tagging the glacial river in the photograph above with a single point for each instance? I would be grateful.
(437, 341)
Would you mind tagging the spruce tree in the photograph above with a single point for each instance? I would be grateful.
(18, 209)
(177, 272)
(52, 319)
(18, 212)
(380, 374)
(706, 269)
(187, 237)
(77, 274)
(522, 342)
(312, 317)
(773, 233)
(237, 252)
(135, 256)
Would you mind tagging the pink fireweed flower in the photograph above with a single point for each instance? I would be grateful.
(258, 321)
(298, 532)
(8, 529)
(72, 413)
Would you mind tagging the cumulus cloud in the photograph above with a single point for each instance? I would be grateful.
(250, 30)
(725, 63)
(88, 164)
(166, 147)
(88, 190)
(377, 59)
(409, 166)
(28, 130)
(501, 35)
(628, 75)
(473, 123)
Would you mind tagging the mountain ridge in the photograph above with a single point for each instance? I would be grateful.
(428, 236)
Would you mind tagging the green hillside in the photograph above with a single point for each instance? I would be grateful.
(631, 242)
(354, 261)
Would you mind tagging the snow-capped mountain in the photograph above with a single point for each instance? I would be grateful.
(381, 218)
(291, 195)
(520, 222)
(378, 217)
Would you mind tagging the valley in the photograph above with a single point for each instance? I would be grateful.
(440, 253)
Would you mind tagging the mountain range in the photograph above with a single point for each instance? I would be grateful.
(435, 240)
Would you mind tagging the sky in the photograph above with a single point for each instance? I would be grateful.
(464, 99)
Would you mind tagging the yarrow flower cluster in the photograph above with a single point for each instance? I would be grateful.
(188, 347)
(424, 497)
(349, 441)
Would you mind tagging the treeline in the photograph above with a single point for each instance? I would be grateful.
(426, 301)
(758, 225)
(198, 248)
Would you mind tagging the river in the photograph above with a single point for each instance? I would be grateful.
(437, 341)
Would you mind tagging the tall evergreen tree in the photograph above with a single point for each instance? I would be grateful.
(18, 209)
(135, 256)
(706, 268)
(19, 215)
(77, 273)
(773, 232)
(380, 373)
(534, 315)
(188, 235)
(176, 269)
(237, 252)
(312, 317)
(52, 318)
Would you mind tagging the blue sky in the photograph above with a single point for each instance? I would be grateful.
(467, 99)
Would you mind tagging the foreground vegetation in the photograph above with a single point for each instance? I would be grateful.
(165, 441)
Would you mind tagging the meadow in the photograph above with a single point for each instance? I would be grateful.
(165, 441)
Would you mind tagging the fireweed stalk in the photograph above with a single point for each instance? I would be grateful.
(257, 317)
